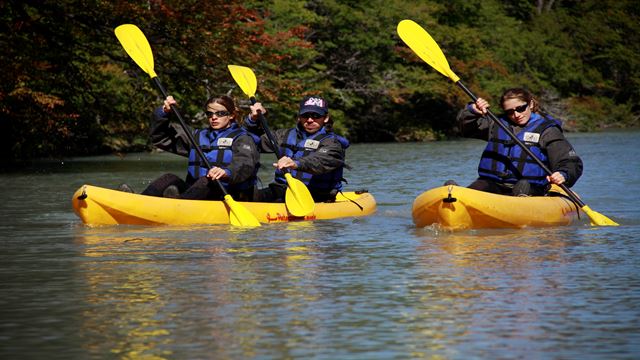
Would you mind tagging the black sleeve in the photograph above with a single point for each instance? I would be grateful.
(279, 137)
(168, 136)
(245, 159)
(473, 125)
(255, 128)
(252, 126)
(329, 156)
(562, 156)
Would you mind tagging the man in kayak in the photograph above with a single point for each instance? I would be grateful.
(229, 148)
(504, 167)
(311, 152)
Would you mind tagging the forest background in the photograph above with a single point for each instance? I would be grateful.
(69, 89)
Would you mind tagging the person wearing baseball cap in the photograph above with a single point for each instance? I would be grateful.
(310, 151)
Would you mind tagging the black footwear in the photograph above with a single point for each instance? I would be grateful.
(450, 182)
(521, 188)
(171, 192)
(125, 188)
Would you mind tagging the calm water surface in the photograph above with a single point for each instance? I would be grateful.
(365, 288)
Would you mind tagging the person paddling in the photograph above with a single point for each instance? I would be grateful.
(311, 152)
(504, 167)
(229, 148)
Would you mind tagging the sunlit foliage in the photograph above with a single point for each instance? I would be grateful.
(70, 89)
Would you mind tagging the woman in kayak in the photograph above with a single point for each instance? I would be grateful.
(229, 148)
(504, 167)
(311, 152)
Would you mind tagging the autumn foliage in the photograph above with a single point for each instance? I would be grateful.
(69, 88)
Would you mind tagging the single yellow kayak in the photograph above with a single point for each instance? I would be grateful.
(100, 206)
(459, 208)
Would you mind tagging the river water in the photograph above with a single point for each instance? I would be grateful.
(362, 288)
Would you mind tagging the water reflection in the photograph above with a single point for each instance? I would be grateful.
(495, 288)
(146, 287)
(505, 249)
(131, 291)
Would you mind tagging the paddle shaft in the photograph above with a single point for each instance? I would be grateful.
(188, 132)
(263, 123)
(504, 127)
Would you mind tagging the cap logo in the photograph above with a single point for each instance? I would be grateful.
(314, 102)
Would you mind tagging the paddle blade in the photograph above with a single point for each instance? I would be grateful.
(245, 78)
(419, 40)
(240, 215)
(298, 198)
(136, 45)
(598, 219)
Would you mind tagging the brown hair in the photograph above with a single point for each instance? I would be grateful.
(226, 101)
(520, 94)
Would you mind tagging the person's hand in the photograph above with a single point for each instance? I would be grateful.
(556, 178)
(481, 106)
(255, 108)
(285, 162)
(167, 104)
(216, 173)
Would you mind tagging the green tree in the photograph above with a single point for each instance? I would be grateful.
(70, 89)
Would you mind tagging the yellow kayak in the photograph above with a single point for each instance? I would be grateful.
(100, 206)
(458, 208)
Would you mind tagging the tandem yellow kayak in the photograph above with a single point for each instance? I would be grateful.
(100, 206)
(459, 208)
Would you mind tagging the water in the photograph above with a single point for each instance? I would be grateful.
(364, 288)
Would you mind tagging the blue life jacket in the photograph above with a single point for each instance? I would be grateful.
(309, 144)
(216, 146)
(504, 161)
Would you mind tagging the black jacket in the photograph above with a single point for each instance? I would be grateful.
(328, 157)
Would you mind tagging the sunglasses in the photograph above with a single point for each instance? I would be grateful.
(217, 113)
(314, 116)
(520, 109)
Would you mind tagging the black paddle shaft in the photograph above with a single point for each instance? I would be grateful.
(265, 127)
(504, 127)
(188, 132)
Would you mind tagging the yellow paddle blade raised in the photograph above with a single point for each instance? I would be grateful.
(240, 215)
(598, 219)
(419, 40)
(298, 198)
(136, 45)
(245, 78)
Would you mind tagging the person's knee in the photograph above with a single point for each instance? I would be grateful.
(325, 195)
(247, 195)
(278, 192)
(480, 185)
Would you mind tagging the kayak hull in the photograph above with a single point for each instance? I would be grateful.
(97, 206)
(460, 208)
